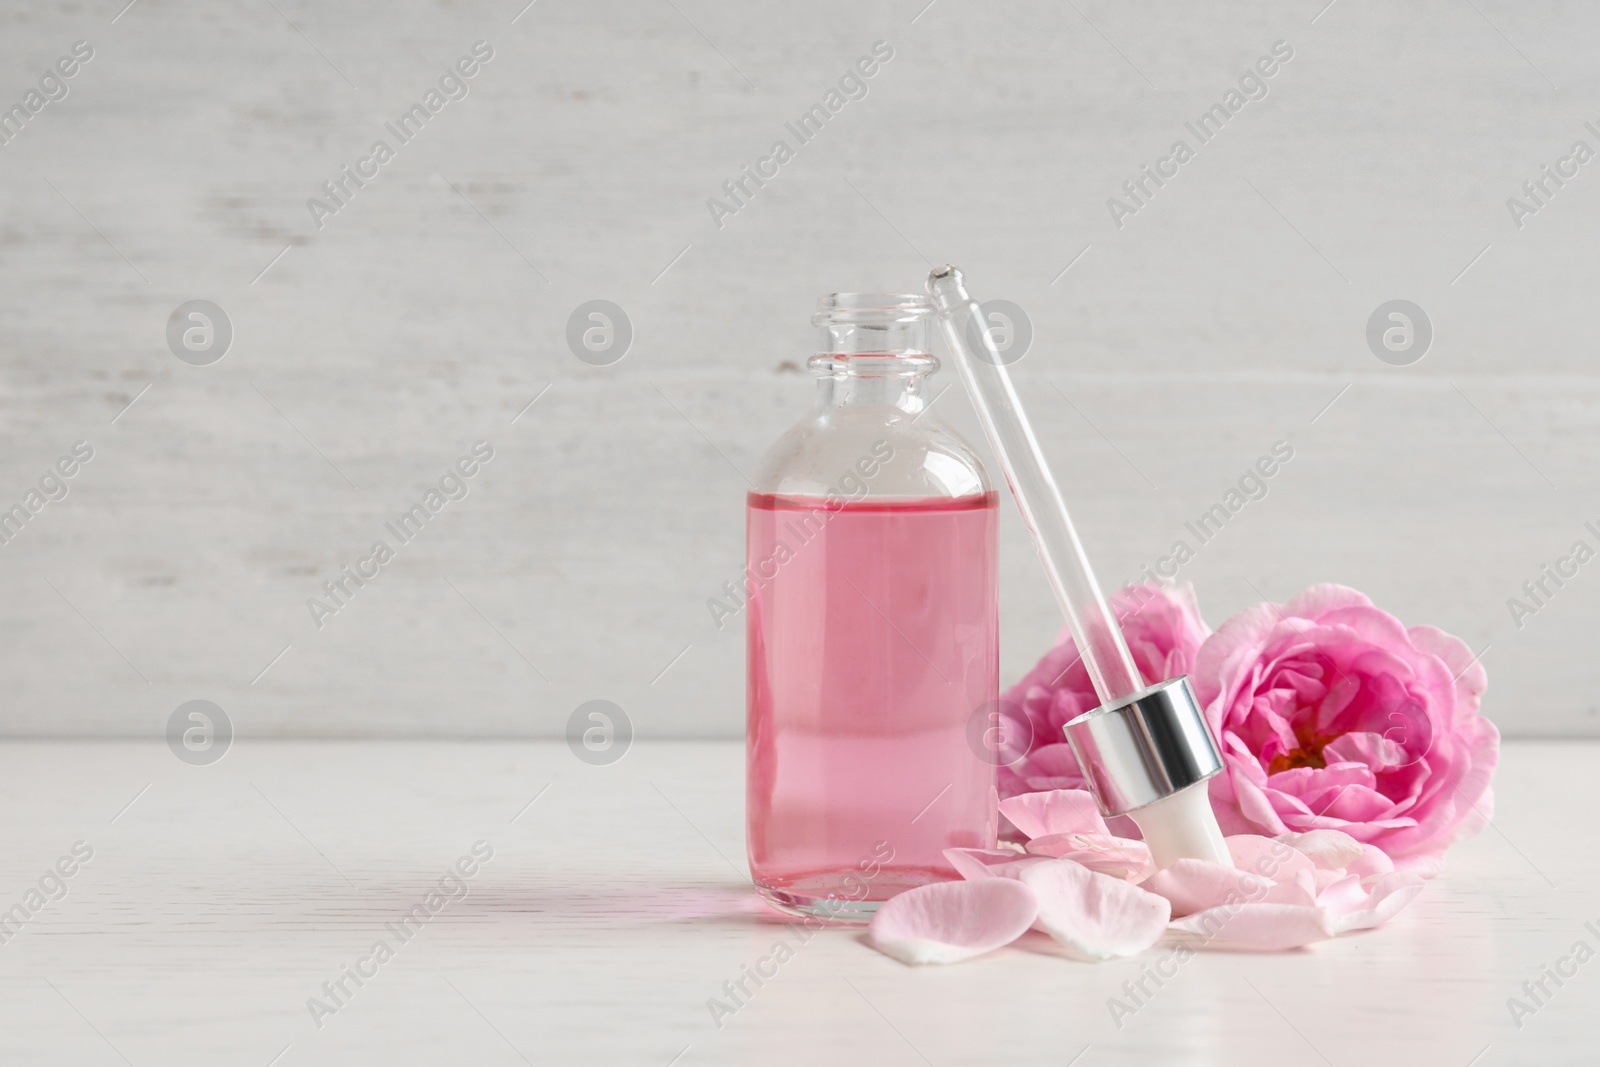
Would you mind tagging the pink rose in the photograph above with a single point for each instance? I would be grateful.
(1332, 715)
(1163, 628)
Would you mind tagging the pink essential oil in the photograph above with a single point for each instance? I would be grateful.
(873, 644)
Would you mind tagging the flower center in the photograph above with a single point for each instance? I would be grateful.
(1309, 754)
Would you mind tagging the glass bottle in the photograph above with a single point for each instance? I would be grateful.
(873, 637)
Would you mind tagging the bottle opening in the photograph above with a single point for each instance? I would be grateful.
(875, 334)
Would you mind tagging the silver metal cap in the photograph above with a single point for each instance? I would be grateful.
(1144, 747)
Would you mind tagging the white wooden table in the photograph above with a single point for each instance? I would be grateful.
(223, 897)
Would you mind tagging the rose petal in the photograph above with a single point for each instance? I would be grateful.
(1195, 885)
(1267, 858)
(1256, 927)
(1425, 865)
(1327, 849)
(1092, 915)
(1377, 751)
(1389, 894)
(1256, 808)
(1116, 856)
(1055, 811)
(1463, 664)
(1373, 862)
(1474, 790)
(947, 922)
(1343, 895)
(1223, 664)
(1302, 891)
(1328, 597)
(1309, 783)
(975, 863)
(1052, 761)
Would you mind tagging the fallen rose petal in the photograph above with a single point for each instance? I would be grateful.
(1328, 849)
(1256, 927)
(1095, 916)
(1265, 857)
(1373, 863)
(1117, 856)
(1388, 895)
(1301, 891)
(1191, 885)
(975, 863)
(1055, 811)
(947, 922)
(1324, 881)
(1345, 895)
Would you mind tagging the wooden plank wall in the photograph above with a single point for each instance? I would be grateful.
(371, 351)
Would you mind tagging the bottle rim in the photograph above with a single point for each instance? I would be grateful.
(866, 309)
(873, 364)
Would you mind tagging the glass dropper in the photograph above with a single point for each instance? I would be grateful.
(1146, 751)
(1005, 423)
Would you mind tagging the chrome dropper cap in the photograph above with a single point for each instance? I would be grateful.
(1144, 747)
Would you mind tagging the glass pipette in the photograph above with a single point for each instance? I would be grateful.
(1147, 750)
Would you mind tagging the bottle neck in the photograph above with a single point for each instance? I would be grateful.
(877, 381)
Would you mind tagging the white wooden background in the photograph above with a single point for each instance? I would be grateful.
(428, 312)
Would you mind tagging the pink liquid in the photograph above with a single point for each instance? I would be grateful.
(873, 639)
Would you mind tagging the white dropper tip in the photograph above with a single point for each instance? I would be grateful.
(1182, 826)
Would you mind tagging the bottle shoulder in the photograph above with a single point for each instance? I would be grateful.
(870, 451)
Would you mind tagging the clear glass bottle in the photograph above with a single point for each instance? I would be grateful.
(873, 639)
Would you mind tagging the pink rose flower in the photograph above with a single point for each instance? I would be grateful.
(1163, 628)
(1331, 715)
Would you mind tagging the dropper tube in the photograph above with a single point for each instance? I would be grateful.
(1146, 751)
(1005, 423)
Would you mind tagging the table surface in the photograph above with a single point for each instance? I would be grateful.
(219, 899)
